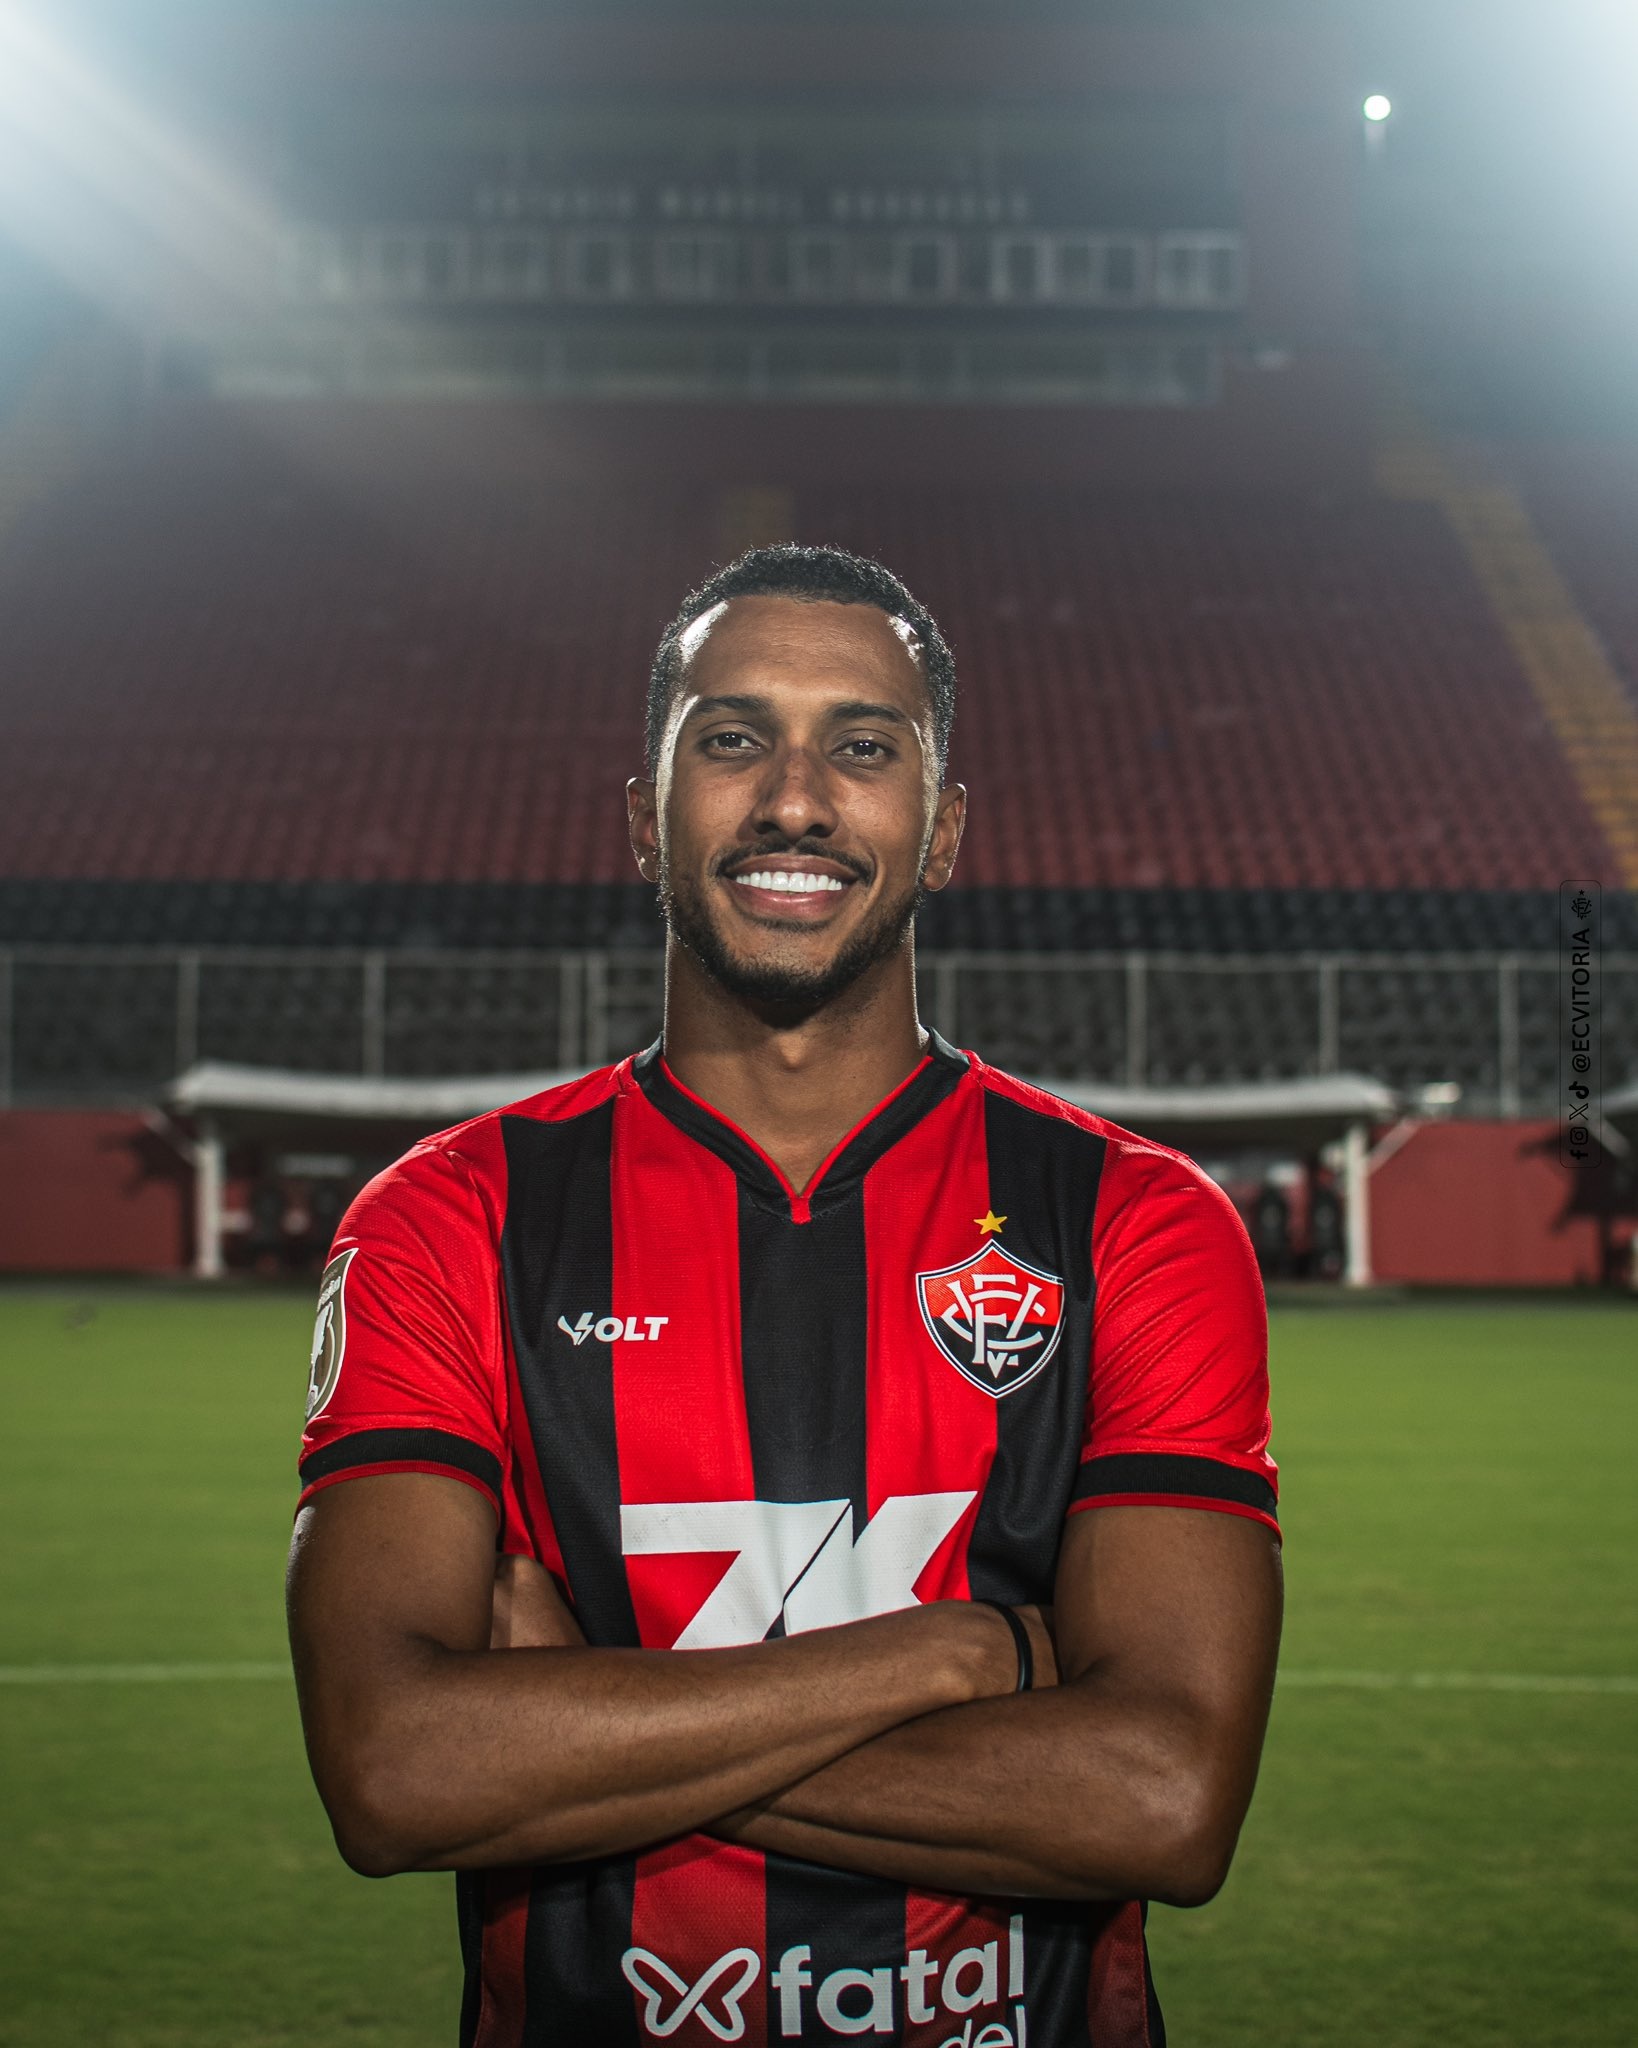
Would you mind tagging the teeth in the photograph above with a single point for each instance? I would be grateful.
(787, 881)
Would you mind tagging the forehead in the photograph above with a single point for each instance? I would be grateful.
(804, 643)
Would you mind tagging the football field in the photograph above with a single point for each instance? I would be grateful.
(1443, 1852)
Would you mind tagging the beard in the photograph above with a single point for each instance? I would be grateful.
(791, 993)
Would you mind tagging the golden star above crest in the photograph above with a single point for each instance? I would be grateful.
(989, 1223)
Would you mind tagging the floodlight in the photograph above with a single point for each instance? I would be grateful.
(1378, 107)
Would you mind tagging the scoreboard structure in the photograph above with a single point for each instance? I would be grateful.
(764, 220)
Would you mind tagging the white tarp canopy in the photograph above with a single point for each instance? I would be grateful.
(1303, 1114)
(238, 1095)
(1621, 1110)
(372, 1112)
(1299, 1115)
(215, 1088)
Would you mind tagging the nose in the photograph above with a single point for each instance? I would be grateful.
(793, 798)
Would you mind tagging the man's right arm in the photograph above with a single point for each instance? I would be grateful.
(433, 1751)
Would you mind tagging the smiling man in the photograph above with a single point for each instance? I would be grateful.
(783, 1367)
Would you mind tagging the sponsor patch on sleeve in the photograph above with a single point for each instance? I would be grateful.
(329, 1333)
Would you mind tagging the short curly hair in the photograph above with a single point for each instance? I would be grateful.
(817, 575)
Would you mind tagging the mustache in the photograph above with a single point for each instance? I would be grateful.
(802, 849)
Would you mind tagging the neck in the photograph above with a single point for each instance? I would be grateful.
(795, 1086)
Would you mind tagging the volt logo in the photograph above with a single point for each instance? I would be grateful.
(796, 1559)
(612, 1329)
(652, 1980)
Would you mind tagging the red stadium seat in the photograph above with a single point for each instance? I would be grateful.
(226, 661)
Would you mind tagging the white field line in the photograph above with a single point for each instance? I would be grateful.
(133, 1674)
(1358, 1681)
(1460, 1681)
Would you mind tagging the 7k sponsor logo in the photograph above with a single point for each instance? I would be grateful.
(796, 1560)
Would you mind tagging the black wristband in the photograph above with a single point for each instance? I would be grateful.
(1020, 1637)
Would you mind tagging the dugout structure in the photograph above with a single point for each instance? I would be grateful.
(223, 1105)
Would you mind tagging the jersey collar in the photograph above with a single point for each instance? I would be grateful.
(927, 1085)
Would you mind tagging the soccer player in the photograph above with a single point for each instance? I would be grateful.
(873, 1448)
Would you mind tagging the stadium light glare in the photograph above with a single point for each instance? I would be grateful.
(127, 206)
(1377, 106)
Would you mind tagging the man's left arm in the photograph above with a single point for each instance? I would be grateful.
(1129, 1779)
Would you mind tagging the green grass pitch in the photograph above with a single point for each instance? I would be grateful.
(1447, 1865)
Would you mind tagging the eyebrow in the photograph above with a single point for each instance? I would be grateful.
(752, 707)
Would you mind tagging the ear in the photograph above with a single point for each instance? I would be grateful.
(949, 821)
(643, 826)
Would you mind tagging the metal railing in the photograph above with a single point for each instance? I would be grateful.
(102, 1024)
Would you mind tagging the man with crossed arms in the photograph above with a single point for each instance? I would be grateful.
(874, 1448)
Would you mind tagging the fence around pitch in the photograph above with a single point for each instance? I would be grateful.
(81, 1025)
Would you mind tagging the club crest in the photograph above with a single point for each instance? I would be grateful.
(996, 1318)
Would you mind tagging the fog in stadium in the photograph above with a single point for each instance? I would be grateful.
(1248, 391)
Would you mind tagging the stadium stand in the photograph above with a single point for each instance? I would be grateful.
(1255, 694)
(326, 623)
(1584, 498)
(291, 714)
(227, 669)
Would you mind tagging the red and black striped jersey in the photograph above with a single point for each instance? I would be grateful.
(718, 1410)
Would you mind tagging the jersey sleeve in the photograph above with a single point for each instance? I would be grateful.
(407, 1367)
(1177, 1413)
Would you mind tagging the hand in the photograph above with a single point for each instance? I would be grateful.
(529, 1613)
(1038, 1620)
(999, 1674)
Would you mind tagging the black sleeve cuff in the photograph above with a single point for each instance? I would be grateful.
(1160, 1476)
(405, 1450)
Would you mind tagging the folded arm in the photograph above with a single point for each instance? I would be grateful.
(432, 1750)
(1129, 1779)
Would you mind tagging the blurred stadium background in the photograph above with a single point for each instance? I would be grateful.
(375, 377)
